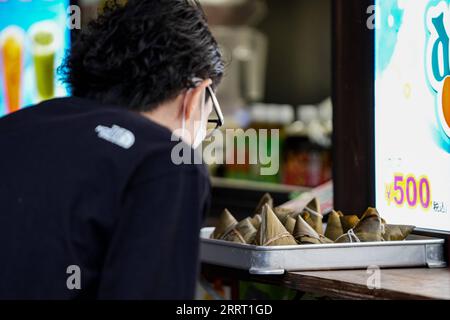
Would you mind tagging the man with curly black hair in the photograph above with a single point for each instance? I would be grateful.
(92, 205)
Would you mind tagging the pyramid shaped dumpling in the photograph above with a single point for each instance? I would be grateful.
(243, 232)
(369, 228)
(394, 232)
(313, 216)
(305, 234)
(283, 213)
(348, 221)
(272, 232)
(334, 226)
(226, 223)
(265, 199)
(290, 224)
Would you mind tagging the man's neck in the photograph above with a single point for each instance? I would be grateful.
(165, 115)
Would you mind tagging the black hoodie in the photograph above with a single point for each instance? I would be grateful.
(89, 193)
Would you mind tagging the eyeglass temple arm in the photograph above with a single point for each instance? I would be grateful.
(217, 108)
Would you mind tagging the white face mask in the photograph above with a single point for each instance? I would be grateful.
(201, 130)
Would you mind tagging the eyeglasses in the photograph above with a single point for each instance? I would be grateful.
(218, 120)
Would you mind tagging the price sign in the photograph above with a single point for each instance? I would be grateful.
(412, 112)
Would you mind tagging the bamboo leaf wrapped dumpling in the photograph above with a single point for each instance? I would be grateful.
(369, 228)
(313, 216)
(305, 234)
(226, 223)
(334, 226)
(394, 232)
(272, 232)
(314, 205)
(289, 224)
(243, 232)
(265, 199)
(348, 221)
(283, 213)
(256, 220)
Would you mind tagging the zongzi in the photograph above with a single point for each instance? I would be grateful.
(256, 221)
(305, 234)
(348, 221)
(290, 224)
(334, 226)
(272, 232)
(226, 223)
(394, 232)
(266, 199)
(282, 213)
(313, 216)
(243, 232)
(369, 228)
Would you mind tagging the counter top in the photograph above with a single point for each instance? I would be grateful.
(352, 284)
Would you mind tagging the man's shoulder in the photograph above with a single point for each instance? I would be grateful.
(125, 138)
(149, 144)
(110, 124)
(113, 116)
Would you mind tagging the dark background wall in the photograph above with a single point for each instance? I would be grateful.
(299, 58)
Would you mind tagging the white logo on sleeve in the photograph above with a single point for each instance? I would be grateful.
(119, 136)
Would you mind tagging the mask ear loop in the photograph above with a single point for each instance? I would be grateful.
(203, 108)
(201, 130)
(183, 118)
(203, 102)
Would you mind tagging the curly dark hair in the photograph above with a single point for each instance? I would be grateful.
(143, 53)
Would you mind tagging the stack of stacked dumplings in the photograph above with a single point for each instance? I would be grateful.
(278, 226)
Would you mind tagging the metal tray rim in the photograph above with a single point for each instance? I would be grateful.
(250, 247)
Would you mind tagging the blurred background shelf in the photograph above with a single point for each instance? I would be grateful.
(241, 197)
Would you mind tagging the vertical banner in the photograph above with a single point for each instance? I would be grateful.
(33, 41)
(412, 112)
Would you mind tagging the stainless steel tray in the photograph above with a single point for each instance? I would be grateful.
(416, 251)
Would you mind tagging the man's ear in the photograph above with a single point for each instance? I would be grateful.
(193, 96)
